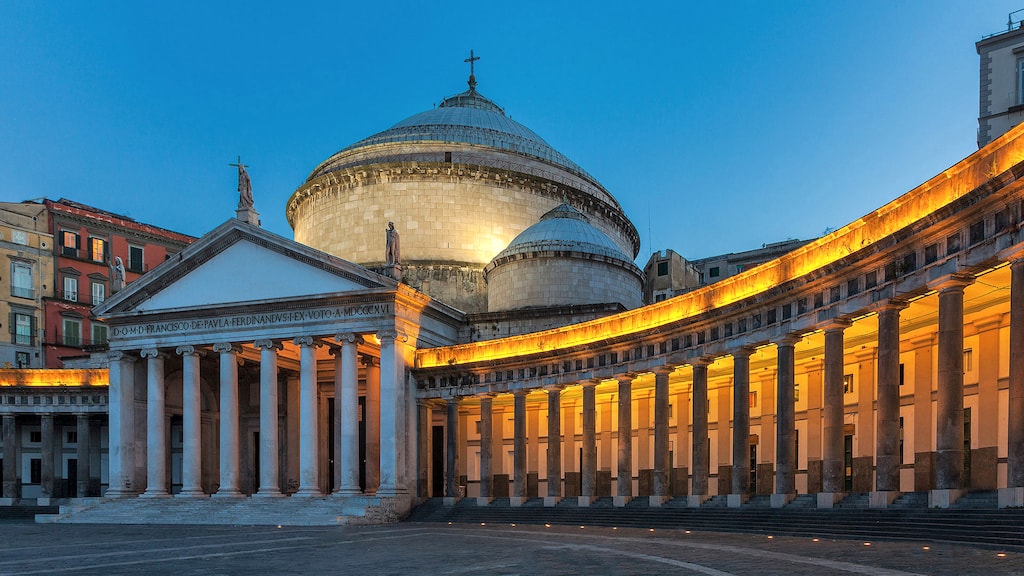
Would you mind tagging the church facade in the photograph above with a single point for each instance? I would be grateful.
(514, 358)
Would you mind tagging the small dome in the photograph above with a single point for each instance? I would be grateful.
(563, 229)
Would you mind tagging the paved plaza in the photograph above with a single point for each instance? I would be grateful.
(436, 549)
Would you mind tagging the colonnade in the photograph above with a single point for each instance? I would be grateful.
(45, 452)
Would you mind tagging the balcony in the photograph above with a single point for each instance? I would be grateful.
(77, 297)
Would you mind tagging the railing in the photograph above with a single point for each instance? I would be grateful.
(78, 297)
(20, 292)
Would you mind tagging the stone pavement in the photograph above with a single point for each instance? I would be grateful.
(436, 549)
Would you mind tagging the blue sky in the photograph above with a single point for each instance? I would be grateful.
(718, 126)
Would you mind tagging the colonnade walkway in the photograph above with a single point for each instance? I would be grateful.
(973, 520)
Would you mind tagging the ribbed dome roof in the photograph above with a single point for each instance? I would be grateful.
(471, 118)
(563, 229)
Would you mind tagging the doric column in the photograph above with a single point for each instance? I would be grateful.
(46, 454)
(156, 431)
(887, 419)
(451, 454)
(371, 423)
(660, 486)
(1015, 431)
(700, 450)
(832, 472)
(392, 433)
(624, 484)
(309, 462)
(269, 444)
(346, 410)
(83, 454)
(192, 445)
(121, 425)
(554, 445)
(740, 426)
(949, 433)
(588, 475)
(10, 470)
(785, 423)
(229, 444)
(518, 447)
(424, 419)
(486, 439)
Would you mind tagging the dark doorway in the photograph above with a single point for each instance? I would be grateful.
(330, 446)
(362, 443)
(73, 478)
(255, 462)
(848, 463)
(437, 461)
(753, 469)
(965, 482)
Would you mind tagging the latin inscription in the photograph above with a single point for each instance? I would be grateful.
(250, 320)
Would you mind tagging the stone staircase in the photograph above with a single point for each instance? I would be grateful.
(286, 511)
(985, 527)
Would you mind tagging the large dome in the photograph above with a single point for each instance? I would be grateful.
(460, 182)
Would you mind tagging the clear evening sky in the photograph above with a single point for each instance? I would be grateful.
(719, 126)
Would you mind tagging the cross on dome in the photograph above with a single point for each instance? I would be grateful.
(472, 76)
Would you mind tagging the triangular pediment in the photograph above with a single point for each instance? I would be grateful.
(238, 263)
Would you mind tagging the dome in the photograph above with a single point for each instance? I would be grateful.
(563, 229)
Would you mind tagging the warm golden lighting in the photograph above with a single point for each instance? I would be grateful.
(965, 176)
(53, 378)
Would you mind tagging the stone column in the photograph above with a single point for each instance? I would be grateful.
(451, 454)
(624, 483)
(887, 419)
(554, 445)
(949, 421)
(10, 471)
(191, 408)
(46, 463)
(371, 423)
(588, 475)
(423, 461)
(700, 451)
(1013, 495)
(229, 442)
(660, 486)
(346, 412)
(392, 434)
(518, 448)
(924, 429)
(156, 431)
(785, 423)
(83, 454)
(269, 445)
(740, 427)
(121, 424)
(486, 443)
(832, 472)
(309, 462)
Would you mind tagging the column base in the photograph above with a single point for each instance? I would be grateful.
(191, 493)
(620, 501)
(550, 501)
(275, 493)
(390, 492)
(828, 500)
(585, 501)
(483, 500)
(882, 498)
(228, 494)
(657, 501)
(780, 500)
(1011, 497)
(44, 501)
(347, 491)
(517, 501)
(737, 500)
(944, 498)
(450, 500)
(155, 494)
(696, 500)
(7, 501)
(115, 493)
(308, 492)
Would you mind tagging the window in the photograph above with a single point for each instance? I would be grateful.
(968, 360)
(71, 288)
(852, 287)
(835, 294)
(753, 399)
(1020, 82)
(931, 253)
(72, 332)
(659, 297)
(662, 268)
(787, 311)
(23, 328)
(72, 436)
(977, 232)
(35, 436)
(902, 373)
(135, 260)
(97, 249)
(910, 263)
(21, 280)
(21, 360)
(796, 393)
(68, 243)
(713, 272)
(847, 383)
(99, 293)
(99, 333)
(952, 244)
(870, 280)
(19, 237)
(739, 268)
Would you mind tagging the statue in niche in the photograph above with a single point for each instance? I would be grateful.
(391, 251)
(117, 281)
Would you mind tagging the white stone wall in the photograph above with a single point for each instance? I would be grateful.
(560, 281)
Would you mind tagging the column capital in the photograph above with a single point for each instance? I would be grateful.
(369, 361)
(627, 377)
(152, 353)
(553, 387)
(348, 338)
(889, 305)
(307, 342)
(836, 325)
(227, 347)
(392, 334)
(118, 355)
(703, 361)
(590, 382)
(790, 339)
(955, 282)
(187, 351)
(1014, 254)
(742, 351)
(521, 392)
(664, 369)
(268, 345)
